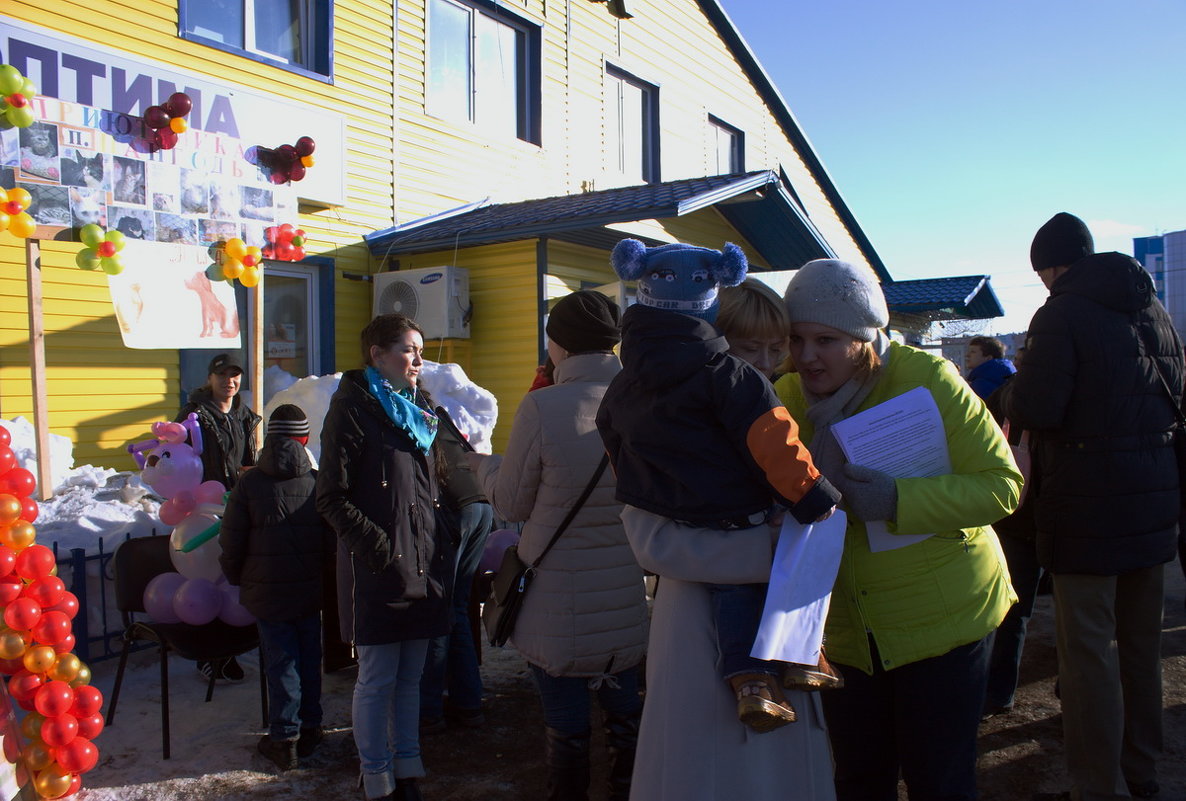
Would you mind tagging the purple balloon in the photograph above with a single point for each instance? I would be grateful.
(496, 545)
(232, 612)
(158, 597)
(197, 602)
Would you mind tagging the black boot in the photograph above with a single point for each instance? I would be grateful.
(568, 766)
(407, 790)
(621, 738)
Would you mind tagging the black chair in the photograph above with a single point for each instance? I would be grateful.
(135, 563)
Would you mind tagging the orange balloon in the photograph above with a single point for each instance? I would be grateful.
(13, 643)
(31, 725)
(83, 677)
(40, 658)
(236, 248)
(10, 509)
(3, 195)
(232, 269)
(53, 781)
(4, 220)
(22, 225)
(19, 535)
(178, 125)
(307, 161)
(37, 755)
(20, 196)
(65, 668)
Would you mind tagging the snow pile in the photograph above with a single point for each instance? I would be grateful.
(24, 445)
(473, 408)
(277, 379)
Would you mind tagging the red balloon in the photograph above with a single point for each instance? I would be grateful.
(35, 562)
(77, 756)
(106, 249)
(7, 459)
(271, 233)
(20, 482)
(284, 251)
(279, 176)
(67, 605)
(59, 730)
(12, 746)
(24, 685)
(52, 628)
(29, 509)
(7, 565)
(64, 645)
(156, 117)
(286, 153)
(268, 252)
(75, 786)
(296, 172)
(166, 138)
(178, 104)
(91, 727)
(46, 592)
(54, 698)
(5, 437)
(298, 254)
(305, 146)
(10, 588)
(22, 614)
(88, 701)
(11, 667)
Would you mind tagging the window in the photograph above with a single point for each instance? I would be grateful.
(290, 321)
(729, 145)
(294, 33)
(632, 126)
(483, 68)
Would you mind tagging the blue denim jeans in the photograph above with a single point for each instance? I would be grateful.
(292, 663)
(736, 613)
(566, 704)
(919, 719)
(386, 713)
(1022, 558)
(452, 662)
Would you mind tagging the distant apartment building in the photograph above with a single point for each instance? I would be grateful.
(1165, 258)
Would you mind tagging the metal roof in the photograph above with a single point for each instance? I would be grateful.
(757, 204)
(967, 297)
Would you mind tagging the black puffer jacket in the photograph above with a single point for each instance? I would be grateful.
(273, 540)
(228, 438)
(698, 435)
(379, 495)
(1101, 421)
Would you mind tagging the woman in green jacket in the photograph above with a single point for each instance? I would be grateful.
(910, 627)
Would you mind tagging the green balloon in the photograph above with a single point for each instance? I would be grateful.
(21, 117)
(29, 89)
(113, 265)
(87, 259)
(116, 238)
(11, 79)
(91, 235)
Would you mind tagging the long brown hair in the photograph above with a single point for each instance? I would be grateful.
(383, 330)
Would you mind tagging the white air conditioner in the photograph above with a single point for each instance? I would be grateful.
(435, 297)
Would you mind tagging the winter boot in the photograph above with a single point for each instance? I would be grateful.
(311, 737)
(407, 790)
(568, 766)
(804, 677)
(621, 738)
(282, 753)
(760, 702)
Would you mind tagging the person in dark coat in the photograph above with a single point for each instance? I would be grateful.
(987, 366)
(273, 546)
(228, 447)
(1103, 374)
(377, 489)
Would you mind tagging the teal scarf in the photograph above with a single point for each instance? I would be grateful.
(418, 423)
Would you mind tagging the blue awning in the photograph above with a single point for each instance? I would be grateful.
(967, 297)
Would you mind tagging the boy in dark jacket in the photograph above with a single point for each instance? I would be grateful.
(698, 435)
(273, 547)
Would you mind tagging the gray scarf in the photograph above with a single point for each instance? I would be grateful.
(840, 405)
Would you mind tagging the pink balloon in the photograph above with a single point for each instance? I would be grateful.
(171, 469)
(210, 492)
(171, 513)
(158, 597)
(496, 545)
(197, 602)
(232, 612)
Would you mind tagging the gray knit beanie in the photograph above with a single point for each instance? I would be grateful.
(839, 295)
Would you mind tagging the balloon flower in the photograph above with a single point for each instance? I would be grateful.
(242, 262)
(44, 676)
(16, 97)
(13, 216)
(289, 162)
(197, 593)
(168, 120)
(285, 243)
(102, 249)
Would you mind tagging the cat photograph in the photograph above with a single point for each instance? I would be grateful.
(132, 222)
(49, 205)
(224, 199)
(10, 147)
(174, 228)
(128, 186)
(195, 193)
(211, 231)
(82, 170)
(39, 151)
(88, 206)
(257, 203)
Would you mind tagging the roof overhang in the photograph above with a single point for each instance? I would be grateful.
(968, 297)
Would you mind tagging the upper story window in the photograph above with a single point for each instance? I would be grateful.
(632, 126)
(729, 145)
(483, 68)
(297, 34)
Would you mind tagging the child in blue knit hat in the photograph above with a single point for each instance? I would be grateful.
(699, 436)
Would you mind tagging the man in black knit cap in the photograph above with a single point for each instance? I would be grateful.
(1102, 380)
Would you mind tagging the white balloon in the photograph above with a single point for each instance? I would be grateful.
(201, 562)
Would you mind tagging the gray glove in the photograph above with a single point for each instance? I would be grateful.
(869, 494)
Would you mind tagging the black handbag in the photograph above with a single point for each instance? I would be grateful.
(514, 576)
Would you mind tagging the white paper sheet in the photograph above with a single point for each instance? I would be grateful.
(903, 437)
(801, 579)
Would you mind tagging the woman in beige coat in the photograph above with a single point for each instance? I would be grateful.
(583, 625)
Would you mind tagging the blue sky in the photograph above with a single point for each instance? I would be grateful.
(955, 129)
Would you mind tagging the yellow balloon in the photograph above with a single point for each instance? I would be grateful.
(53, 782)
(12, 644)
(232, 268)
(19, 536)
(37, 755)
(178, 125)
(40, 658)
(22, 225)
(65, 668)
(236, 248)
(83, 677)
(307, 161)
(20, 196)
(250, 276)
(10, 509)
(3, 195)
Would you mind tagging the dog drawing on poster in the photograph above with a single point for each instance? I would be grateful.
(215, 315)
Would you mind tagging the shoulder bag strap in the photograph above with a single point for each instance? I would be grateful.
(576, 507)
(1164, 384)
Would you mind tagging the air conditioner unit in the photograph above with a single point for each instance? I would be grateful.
(435, 297)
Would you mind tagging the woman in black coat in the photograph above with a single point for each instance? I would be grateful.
(377, 489)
